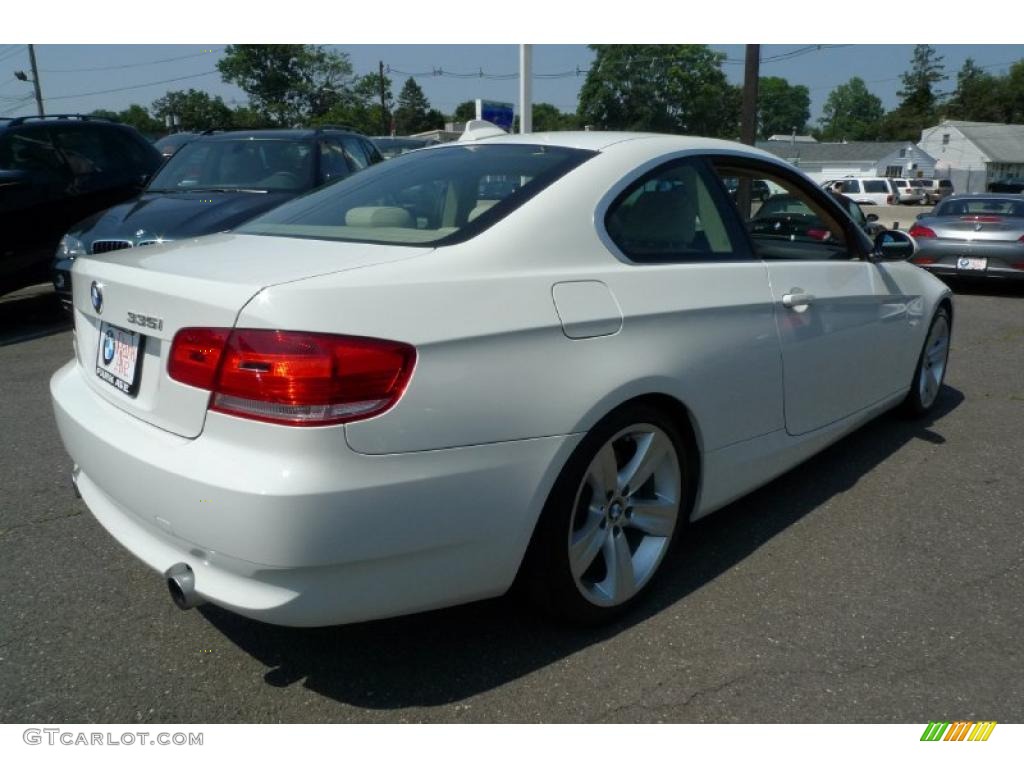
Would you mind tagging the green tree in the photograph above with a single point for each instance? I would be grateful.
(668, 88)
(411, 114)
(363, 111)
(917, 94)
(196, 110)
(781, 107)
(464, 112)
(851, 112)
(1013, 93)
(918, 107)
(289, 84)
(139, 118)
(978, 96)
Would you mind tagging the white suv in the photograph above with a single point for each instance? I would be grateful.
(909, 194)
(868, 191)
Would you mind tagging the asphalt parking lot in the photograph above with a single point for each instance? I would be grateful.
(880, 581)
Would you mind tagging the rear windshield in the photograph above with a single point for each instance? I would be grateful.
(434, 197)
(980, 206)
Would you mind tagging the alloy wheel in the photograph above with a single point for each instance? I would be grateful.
(625, 512)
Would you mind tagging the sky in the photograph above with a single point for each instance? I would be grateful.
(81, 78)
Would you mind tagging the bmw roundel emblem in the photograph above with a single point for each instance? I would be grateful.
(97, 297)
(108, 347)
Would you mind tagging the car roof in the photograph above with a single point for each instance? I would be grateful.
(606, 141)
(276, 133)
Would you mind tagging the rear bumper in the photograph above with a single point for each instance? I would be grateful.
(1000, 258)
(290, 526)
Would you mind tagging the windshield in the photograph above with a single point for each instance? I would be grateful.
(252, 164)
(438, 196)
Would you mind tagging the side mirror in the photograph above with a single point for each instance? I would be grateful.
(872, 217)
(893, 245)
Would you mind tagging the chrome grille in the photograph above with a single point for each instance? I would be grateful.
(105, 246)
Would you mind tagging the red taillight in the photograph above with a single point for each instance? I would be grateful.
(289, 377)
(923, 260)
(889, 200)
(1017, 265)
(919, 231)
(195, 355)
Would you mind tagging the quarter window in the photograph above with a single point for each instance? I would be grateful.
(670, 215)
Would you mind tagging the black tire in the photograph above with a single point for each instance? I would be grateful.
(547, 573)
(920, 399)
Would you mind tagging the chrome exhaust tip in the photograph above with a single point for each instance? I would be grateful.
(181, 583)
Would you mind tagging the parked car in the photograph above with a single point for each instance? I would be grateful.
(978, 235)
(213, 184)
(930, 189)
(759, 189)
(786, 213)
(909, 194)
(322, 418)
(54, 171)
(1007, 186)
(393, 146)
(868, 191)
(171, 143)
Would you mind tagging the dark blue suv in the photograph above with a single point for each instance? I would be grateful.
(57, 170)
(214, 183)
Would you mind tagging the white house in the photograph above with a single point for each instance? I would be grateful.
(830, 160)
(975, 154)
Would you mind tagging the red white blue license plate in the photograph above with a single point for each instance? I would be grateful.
(971, 263)
(119, 358)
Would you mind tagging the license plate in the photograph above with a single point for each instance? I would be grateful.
(971, 263)
(119, 358)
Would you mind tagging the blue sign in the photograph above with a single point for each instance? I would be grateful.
(499, 113)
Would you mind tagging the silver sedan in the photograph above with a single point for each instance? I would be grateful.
(980, 235)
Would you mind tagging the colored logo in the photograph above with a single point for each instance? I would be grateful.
(108, 347)
(961, 730)
(97, 297)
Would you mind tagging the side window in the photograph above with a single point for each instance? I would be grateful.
(877, 186)
(791, 224)
(333, 165)
(93, 166)
(31, 149)
(354, 153)
(371, 152)
(670, 215)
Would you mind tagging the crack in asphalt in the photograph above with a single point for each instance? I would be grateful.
(30, 523)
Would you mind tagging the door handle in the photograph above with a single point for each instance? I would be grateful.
(797, 299)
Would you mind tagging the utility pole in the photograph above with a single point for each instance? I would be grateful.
(525, 88)
(35, 78)
(20, 75)
(748, 119)
(385, 128)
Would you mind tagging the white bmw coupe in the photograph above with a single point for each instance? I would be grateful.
(523, 357)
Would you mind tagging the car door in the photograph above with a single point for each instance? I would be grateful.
(696, 297)
(841, 319)
(32, 212)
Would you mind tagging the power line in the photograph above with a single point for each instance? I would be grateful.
(131, 87)
(131, 66)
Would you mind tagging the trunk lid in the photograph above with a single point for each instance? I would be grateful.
(979, 228)
(158, 290)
